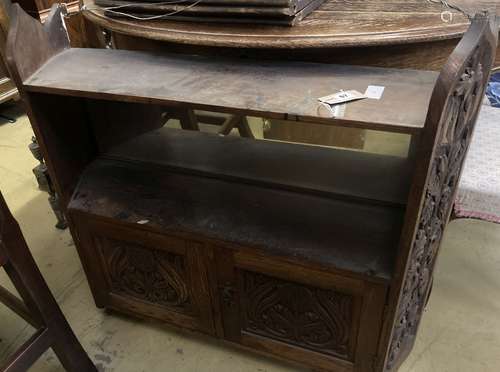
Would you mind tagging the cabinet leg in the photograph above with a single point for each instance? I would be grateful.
(45, 184)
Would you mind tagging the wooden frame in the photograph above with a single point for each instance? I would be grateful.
(38, 308)
(256, 262)
(452, 115)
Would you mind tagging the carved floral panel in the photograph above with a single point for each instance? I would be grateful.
(312, 318)
(150, 275)
(457, 125)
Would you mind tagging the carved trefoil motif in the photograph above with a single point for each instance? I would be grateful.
(456, 131)
(312, 318)
(150, 275)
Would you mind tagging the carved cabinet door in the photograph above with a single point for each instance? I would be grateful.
(299, 313)
(137, 271)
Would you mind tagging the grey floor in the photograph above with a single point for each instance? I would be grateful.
(460, 330)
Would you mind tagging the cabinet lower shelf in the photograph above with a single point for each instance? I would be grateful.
(229, 259)
(295, 312)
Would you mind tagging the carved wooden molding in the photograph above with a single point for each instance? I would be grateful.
(312, 318)
(153, 276)
(452, 138)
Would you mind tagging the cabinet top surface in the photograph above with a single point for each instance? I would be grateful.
(280, 90)
(336, 23)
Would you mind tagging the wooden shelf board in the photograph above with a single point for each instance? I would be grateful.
(319, 170)
(281, 90)
(341, 235)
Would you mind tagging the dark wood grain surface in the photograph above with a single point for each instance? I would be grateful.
(337, 23)
(35, 303)
(269, 89)
(263, 257)
(327, 171)
(282, 223)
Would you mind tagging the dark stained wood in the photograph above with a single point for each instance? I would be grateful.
(267, 15)
(71, 142)
(39, 308)
(179, 294)
(450, 122)
(8, 90)
(221, 10)
(187, 118)
(40, 43)
(332, 172)
(113, 123)
(45, 41)
(28, 353)
(210, 234)
(364, 234)
(270, 89)
(14, 303)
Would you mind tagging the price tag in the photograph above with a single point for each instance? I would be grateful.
(341, 97)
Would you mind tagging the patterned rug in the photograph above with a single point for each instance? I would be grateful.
(479, 190)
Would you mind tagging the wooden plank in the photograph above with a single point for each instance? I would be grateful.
(289, 16)
(17, 306)
(28, 354)
(321, 170)
(281, 90)
(203, 9)
(268, 3)
(349, 236)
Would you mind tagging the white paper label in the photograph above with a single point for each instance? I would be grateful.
(374, 91)
(327, 111)
(341, 97)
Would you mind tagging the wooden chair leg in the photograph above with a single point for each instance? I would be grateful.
(30, 304)
(188, 120)
(237, 121)
(64, 342)
(17, 306)
(68, 349)
(228, 125)
(41, 304)
(244, 128)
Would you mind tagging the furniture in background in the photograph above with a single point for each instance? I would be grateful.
(318, 256)
(406, 34)
(40, 171)
(382, 33)
(8, 91)
(281, 12)
(40, 9)
(38, 307)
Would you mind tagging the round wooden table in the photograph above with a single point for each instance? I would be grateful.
(403, 33)
(396, 33)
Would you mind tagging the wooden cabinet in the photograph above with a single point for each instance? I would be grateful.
(8, 90)
(146, 273)
(319, 256)
(38, 8)
(302, 314)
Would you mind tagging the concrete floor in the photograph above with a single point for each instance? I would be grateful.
(460, 331)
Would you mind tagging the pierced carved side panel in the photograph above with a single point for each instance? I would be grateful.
(457, 126)
(149, 275)
(311, 318)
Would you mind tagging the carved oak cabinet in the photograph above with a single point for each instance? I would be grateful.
(318, 256)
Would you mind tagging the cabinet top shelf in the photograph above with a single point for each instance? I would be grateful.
(280, 90)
